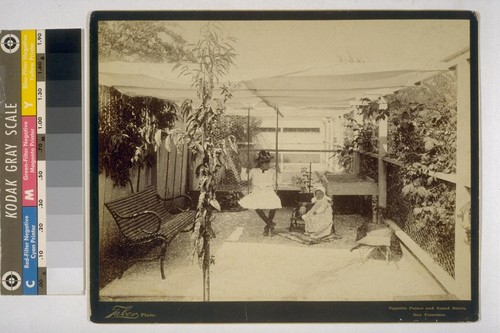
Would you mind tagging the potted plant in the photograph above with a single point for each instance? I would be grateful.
(304, 182)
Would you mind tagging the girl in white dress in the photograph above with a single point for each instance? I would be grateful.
(263, 195)
(319, 219)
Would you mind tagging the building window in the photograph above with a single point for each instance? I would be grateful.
(301, 158)
(269, 129)
(301, 129)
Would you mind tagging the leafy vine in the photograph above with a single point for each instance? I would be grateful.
(361, 134)
(422, 136)
(422, 126)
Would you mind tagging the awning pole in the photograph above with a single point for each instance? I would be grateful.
(248, 148)
(277, 128)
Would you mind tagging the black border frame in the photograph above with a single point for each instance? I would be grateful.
(280, 312)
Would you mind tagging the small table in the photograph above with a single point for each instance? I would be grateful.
(378, 238)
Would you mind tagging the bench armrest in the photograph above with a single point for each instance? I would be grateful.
(190, 201)
(146, 212)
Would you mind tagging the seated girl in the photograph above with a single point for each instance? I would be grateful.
(263, 195)
(319, 219)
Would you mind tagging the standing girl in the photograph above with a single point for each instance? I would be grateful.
(263, 195)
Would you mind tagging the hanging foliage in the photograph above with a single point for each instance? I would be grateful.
(130, 131)
(361, 132)
(140, 41)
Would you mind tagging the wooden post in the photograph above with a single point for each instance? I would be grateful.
(356, 162)
(174, 150)
(154, 169)
(356, 157)
(382, 170)
(187, 181)
(182, 170)
(166, 174)
(326, 144)
(329, 126)
(206, 264)
(329, 131)
(138, 183)
(248, 149)
(375, 209)
(463, 198)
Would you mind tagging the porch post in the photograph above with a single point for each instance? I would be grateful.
(463, 197)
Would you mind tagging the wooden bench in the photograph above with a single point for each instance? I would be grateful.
(144, 218)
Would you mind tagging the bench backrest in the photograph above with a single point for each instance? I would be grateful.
(146, 199)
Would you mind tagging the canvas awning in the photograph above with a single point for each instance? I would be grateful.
(313, 88)
(177, 91)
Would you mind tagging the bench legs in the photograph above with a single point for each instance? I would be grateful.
(163, 253)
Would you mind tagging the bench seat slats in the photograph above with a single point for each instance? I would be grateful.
(145, 227)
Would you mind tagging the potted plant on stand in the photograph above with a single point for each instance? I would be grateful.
(303, 200)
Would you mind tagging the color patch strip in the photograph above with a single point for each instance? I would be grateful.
(41, 164)
(29, 162)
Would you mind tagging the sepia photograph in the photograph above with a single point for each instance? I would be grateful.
(280, 159)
